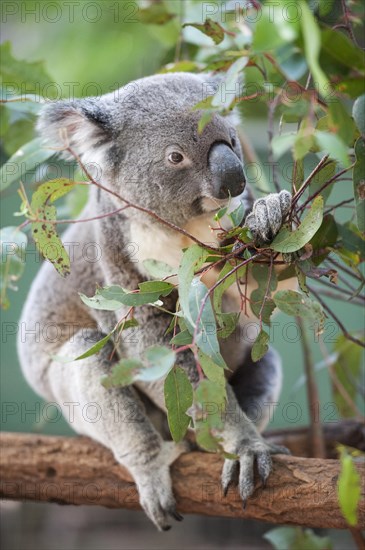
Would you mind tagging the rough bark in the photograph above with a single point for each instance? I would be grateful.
(77, 470)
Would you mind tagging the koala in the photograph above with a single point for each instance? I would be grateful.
(144, 142)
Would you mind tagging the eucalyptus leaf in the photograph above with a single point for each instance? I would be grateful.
(260, 346)
(210, 28)
(25, 160)
(95, 348)
(359, 183)
(358, 112)
(334, 146)
(44, 232)
(349, 489)
(290, 241)
(347, 368)
(298, 305)
(13, 247)
(312, 46)
(206, 333)
(122, 374)
(178, 399)
(192, 259)
(160, 360)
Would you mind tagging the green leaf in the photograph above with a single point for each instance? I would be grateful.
(181, 67)
(44, 234)
(95, 348)
(351, 240)
(149, 292)
(178, 399)
(349, 489)
(13, 243)
(334, 146)
(182, 338)
(210, 403)
(312, 46)
(277, 26)
(192, 260)
(290, 241)
(227, 323)
(212, 371)
(160, 360)
(237, 215)
(17, 133)
(298, 305)
(283, 143)
(260, 308)
(206, 334)
(296, 538)
(25, 160)
(339, 46)
(123, 374)
(260, 347)
(205, 439)
(353, 87)
(358, 112)
(29, 104)
(229, 89)
(22, 75)
(158, 270)
(155, 14)
(359, 183)
(210, 28)
(227, 283)
(340, 122)
(99, 302)
(347, 368)
(304, 142)
(325, 238)
(324, 175)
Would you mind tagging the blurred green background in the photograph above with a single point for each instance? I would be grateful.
(92, 48)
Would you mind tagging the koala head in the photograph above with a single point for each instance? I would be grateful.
(144, 141)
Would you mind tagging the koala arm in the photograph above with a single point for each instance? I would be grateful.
(267, 216)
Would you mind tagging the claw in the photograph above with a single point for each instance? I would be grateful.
(279, 450)
(244, 504)
(264, 465)
(175, 514)
(166, 528)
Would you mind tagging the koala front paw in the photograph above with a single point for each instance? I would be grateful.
(267, 216)
(155, 488)
(241, 470)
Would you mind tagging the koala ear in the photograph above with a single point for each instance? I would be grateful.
(82, 125)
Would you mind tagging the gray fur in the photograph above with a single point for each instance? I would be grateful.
(129, 135)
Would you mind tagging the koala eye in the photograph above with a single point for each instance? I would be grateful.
(175, 157)
(233, 142)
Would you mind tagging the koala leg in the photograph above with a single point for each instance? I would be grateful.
(117, 419)
(257, 387)
(251, 391)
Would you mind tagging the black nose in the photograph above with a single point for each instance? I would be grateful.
(227, 171)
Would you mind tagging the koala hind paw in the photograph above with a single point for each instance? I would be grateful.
(155, 487)
(241, 470)
(267, 216)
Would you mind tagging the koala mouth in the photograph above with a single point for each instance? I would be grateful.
(211, 204)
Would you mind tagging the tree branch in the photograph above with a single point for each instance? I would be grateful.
(77, 470)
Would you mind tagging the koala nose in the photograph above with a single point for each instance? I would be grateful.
(227, 171)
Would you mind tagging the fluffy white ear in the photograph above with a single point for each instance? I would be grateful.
(82, 125)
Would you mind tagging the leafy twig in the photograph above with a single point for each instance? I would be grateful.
(335, 318)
